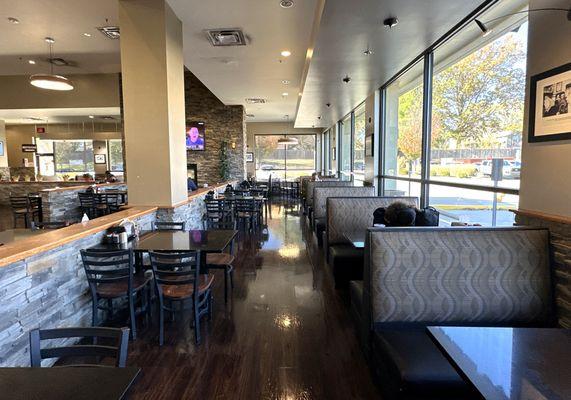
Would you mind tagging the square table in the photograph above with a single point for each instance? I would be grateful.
(509, 363)
(357, 238)
(78, 383)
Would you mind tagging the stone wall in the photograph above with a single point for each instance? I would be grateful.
(560, 233)
(8, 189)
(222, 123)
(63, 205)
(47, 290)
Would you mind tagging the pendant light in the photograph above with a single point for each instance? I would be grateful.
(51, 81)
(287, 140)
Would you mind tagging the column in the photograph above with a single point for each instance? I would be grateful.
(153, 100)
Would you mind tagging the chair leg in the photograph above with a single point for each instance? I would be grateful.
(226, 285)
(195, 302)
(232, 278)
(132, 315)
(110, 306)
(161, 323)
(94, 311)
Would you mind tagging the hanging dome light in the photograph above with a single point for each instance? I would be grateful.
(287, 140)
(51, 81)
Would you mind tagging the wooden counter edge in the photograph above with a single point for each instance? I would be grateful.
(545, 216)
(20, 250)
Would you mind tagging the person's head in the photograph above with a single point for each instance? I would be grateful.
(568, 91)
(193, 134)
(400, 214)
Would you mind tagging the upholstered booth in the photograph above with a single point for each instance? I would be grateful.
(320, 196)
(418, 277)
(351, 214)
(313, 184)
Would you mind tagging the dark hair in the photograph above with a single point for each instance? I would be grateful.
(400, 214)
(568, 86)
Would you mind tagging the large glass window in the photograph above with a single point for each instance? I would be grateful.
(359, 145)
(477, 112)
(73, 156)
(345, 154)
(115, 148)
(284, 161)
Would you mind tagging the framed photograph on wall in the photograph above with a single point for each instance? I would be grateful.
(249, 157)
(369, 148)
(549, 108)
(100, 159)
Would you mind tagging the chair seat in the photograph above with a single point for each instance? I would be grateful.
(219, 259)
(416, 363)
(112, 290)
(185, 291)
(20, 211)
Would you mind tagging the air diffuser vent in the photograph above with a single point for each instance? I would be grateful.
(226, 37)
(255, 100)
(60, 62)
(112, 32)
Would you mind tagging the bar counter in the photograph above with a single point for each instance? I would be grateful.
(42, 282)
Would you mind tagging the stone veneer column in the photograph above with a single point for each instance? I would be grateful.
(153, 100)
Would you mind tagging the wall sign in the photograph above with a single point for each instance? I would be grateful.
(40, 129)
(29, 148)
(100, 159)
(249, 157)
(549, 108)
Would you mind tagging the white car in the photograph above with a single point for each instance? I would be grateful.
(511, 169)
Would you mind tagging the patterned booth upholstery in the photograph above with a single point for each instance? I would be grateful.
(320, 196)
(351, 214)
(313, 184)
(417, 277)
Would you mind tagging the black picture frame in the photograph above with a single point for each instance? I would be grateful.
(535, 84)
(249, 157)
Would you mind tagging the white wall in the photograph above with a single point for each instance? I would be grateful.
(546, 167)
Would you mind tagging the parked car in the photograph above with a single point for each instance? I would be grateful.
(511, 169)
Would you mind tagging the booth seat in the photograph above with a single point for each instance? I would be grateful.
(419, 277)
(320, 196)
(350, 214)
(312, 185)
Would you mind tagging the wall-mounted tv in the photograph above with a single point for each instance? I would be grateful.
(195, 136)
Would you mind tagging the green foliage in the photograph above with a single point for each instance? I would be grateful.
(459, 171)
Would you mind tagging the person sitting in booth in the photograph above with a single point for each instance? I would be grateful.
(190, 185)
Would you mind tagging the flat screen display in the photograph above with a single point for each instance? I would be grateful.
(195, 136)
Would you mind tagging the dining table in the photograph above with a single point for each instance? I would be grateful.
(509, 363)
(77, 383)
(356, 238)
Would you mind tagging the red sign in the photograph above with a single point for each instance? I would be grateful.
(40, 129)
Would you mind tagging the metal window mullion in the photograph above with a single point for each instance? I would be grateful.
(426, 128)
(382, 136)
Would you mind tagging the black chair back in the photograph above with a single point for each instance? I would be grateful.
(108, 266)
(245, 206)
(20, 203)
(118, 350)
(180, 268)
(170, 226)
(220, 224)
(35, 202)
(87, 200)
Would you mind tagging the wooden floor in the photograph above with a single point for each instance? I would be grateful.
(285, 335)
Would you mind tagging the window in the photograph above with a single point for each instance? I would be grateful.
(359, 145)
(403, 125)
(284, 161)
(345, 154)
(73, 156)
(477, 112)
(398, 188)
(115, 148)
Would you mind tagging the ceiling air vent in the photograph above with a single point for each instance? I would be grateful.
(255, 100)
(226, 37)
(112, 32)
(60, 62)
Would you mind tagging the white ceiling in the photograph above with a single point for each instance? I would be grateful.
(64, 20)
(235, 73)
(58, 115)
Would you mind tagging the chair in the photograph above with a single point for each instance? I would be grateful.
(90, 205)
(222, 261)
(21, 209)
(177, 279)
(247, 211)
(170, 226)
(118, 350)
(110, 276)
(50, 225)
(218, 209)
(112, 201)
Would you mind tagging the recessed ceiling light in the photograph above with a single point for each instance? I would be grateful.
(285, 53)
(285, 82)
(87, 34)
(286, 3)
(391, 22)
(31, 62)
(299, 94)
(13, 20)
(285, 94)
(91, 116)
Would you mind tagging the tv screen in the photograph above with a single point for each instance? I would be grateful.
(195, 136)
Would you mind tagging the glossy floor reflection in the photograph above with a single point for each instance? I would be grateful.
(284, 335)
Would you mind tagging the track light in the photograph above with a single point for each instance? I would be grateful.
(486, 31)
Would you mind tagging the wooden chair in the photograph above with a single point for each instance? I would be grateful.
(178, 279)
(110, 276)
(21, 209)
(223, 261)
(170, 226)
(118, 351)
